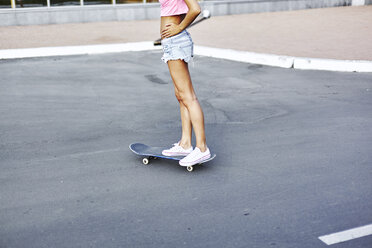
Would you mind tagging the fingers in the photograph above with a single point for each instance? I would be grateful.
(166, 29)
(166, 33)
(169, 30)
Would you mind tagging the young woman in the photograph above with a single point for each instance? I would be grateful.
(176, 16)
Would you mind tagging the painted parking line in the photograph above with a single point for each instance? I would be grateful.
(347, 235)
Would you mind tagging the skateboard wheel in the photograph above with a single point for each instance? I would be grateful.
(145, 161)
(190, 168)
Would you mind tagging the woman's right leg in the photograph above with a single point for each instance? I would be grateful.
(185, 141)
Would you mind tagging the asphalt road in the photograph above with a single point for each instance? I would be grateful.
(294, 155)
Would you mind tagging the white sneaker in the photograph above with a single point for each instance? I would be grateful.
(195, 157)
(177, 150)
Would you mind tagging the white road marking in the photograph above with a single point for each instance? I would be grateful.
(346, 235)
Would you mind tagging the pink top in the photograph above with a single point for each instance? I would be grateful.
(173, 7)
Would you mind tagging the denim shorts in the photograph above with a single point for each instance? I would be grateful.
(179, 46)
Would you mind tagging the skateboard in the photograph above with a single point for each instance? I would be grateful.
(149, 153)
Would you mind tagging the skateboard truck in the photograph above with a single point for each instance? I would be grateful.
(146, 161)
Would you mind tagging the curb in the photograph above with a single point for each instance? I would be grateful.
(332, 65)
(229, 54)
(76, 50)
(246, 57)
(286, 61)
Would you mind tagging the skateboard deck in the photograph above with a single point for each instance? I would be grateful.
(149, 152)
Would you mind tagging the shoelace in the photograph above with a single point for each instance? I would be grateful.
(175, 146)
(193, 154)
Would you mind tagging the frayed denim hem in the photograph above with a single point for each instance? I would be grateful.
(187, 59)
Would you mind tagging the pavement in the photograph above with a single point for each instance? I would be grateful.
(336, 34)
(293, 152)
(293, 155)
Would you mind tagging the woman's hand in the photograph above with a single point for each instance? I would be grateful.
(170, 30)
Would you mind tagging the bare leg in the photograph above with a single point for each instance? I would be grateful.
(179, 72)
(185, 141)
